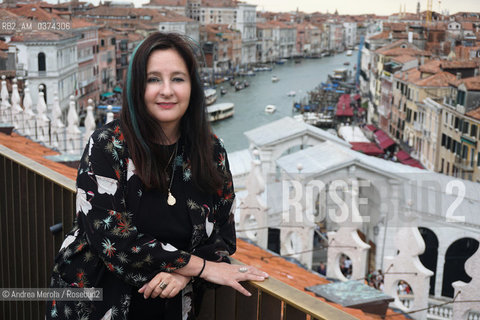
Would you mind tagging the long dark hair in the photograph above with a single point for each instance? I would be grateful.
(142, 132)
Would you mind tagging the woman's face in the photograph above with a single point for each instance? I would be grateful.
(167, 93)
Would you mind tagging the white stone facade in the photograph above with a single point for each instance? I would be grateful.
(61, 67)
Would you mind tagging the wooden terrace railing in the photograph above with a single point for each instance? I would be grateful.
(37, 207)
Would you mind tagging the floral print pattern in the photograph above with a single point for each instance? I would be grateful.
(104, 249)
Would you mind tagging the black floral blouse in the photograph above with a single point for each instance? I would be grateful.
(105, 250)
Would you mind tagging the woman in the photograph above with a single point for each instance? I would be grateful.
(154, 199)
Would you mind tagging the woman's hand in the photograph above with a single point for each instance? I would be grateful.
(230, 275)
(165, 285)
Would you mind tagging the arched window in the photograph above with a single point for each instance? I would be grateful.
(454, 268)
(41, 62)
(430, 255)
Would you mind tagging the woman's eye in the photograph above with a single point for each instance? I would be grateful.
(153, 80)
(178, 80)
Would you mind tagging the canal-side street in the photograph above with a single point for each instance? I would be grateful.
(250, 103)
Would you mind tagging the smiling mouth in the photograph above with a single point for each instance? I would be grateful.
(166, 105)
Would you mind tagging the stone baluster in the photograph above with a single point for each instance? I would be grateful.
(406, 266)
(42, 119)
(17, 111)
(58, 127)
(109, 114)
(73, 132)
(5, 112)
(468, 291)
(253, 212)
(90, 124)
(28, 114)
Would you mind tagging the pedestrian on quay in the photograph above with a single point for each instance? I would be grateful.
(155, 199)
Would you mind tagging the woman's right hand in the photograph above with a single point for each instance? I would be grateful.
(230, 275)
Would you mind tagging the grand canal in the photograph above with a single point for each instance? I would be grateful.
(250, 103)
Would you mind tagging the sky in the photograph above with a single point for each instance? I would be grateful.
(379, 7)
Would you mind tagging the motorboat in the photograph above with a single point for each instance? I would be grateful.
(210, 96)
(270, 108)
(275, 79)
(291, 93)
(349, 52)
(220, 111)
(223, 91)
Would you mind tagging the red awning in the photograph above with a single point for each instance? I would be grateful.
(369, 148)
(357, 96)
(402, 155)
(383, 139)
(413, 163)
(371, 127)
(343, 106)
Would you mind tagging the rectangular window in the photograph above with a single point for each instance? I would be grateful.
(478, 159)
(444, 139)
(457, 121)
(453, 146)
(464, 152)
(446, 118)
(465, 127)
(448, 168)
(473, 130)
(461, 97)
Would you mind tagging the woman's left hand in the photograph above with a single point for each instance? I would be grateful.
(165, 285)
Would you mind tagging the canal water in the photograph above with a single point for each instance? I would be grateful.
(250, 102)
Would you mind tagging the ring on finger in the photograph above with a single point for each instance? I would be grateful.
(243, 269)
(163, 285)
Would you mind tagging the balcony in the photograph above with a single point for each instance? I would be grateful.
(464, 164)
(38, 206)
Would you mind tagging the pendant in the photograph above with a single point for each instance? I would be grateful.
(171, 199)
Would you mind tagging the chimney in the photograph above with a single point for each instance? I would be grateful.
(410, 37)
(459, 75)
(422, 59)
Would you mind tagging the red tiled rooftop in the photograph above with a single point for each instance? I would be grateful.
(380, 36)
(403, 59)
(441, 79)
(406, 51)
(172, 3)
(432, 66)
(459, 64)
(474, 113)
(35, 11)
(36, 152)
(410, 75)
(472, 83)
(81, 23)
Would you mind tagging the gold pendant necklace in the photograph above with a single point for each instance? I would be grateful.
(170, 198)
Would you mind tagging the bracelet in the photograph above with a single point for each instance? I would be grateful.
(203, 268)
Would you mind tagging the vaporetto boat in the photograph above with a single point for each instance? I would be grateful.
(220, 111)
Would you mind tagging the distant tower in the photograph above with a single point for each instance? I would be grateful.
(336, 12)
(418, 7)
